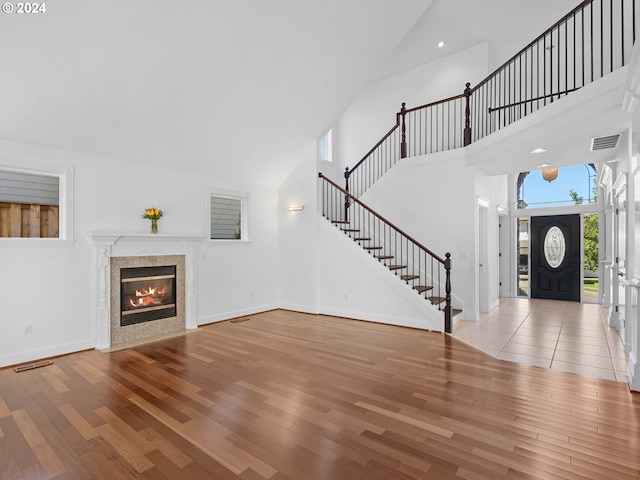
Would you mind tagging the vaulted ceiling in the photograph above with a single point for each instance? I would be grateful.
(238, 89)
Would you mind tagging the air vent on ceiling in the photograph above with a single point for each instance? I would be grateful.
(602, 143)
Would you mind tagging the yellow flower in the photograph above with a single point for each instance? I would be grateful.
(152, 213)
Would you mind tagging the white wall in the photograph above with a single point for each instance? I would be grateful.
(373, 112)
(353, 284)
(298, 242)
(51, 288)
(321, 270)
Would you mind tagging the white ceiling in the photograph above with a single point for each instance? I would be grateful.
(238, 89)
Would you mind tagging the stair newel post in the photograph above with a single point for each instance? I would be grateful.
(403, 130)
(447, 307)
(347, 174)
(467, 115)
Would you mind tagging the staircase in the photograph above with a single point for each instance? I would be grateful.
(415, 265)
(591, 41)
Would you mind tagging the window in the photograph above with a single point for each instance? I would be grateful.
(325, 147)
(35, 204)
(228, 216)
(553, 187)
(523, 257)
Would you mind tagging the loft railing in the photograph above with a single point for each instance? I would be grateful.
(426, 272)
(591, 41)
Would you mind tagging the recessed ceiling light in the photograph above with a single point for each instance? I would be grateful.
(544, 165)
(538, 150)
(441, 44)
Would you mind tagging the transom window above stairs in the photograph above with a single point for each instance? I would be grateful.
(325, 145)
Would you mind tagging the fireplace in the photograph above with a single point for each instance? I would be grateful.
(116, 253)
(147, 294)
(147, 297)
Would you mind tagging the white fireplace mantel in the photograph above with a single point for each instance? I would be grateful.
(108, 244)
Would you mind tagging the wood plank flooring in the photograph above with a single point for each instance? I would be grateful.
(289, 396)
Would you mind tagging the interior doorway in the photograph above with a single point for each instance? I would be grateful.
(503, 257)
(483, 258)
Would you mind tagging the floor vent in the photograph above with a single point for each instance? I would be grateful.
(603, 143)
(238, 320)
(31, 366)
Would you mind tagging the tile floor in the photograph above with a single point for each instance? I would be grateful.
(565, 336)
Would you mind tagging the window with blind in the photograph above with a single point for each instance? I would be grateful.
(227, 217)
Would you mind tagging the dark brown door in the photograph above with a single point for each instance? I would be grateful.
(555, 257)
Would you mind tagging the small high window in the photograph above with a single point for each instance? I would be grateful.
(325, 147)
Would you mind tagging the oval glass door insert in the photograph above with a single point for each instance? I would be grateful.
(554, 247)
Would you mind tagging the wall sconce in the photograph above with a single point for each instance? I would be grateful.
(295, 208)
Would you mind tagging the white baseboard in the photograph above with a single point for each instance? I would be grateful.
(420, 323)
(300, 308)
(219, 317)
(40, 354)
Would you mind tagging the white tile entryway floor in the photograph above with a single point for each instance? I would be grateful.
(564, 336)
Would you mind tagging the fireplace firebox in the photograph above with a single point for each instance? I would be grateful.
(147, 294)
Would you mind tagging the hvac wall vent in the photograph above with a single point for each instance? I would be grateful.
(603, 143)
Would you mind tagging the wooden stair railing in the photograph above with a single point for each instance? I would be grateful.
(427, 273)
(591, 41)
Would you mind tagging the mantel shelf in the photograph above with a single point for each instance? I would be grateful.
(113, 238)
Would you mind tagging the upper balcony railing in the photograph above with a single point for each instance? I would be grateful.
(591, 41)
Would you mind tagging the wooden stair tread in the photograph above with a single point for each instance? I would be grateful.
(409, 277)
(435, 300)
(423, 288)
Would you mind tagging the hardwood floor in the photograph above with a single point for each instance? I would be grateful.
(285, 395)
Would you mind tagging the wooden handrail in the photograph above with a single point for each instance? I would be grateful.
(380, 217)
(433, 104)
(388, 134)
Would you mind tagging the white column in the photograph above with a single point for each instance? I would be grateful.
(632, 332)
(103, 320)
(191, 317)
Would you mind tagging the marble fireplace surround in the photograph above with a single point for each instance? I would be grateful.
(114, 251)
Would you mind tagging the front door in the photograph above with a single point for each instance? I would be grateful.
(555, 257)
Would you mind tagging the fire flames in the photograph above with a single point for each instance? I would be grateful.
(148, 296)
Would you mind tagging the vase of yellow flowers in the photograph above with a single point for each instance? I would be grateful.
(154, 215)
